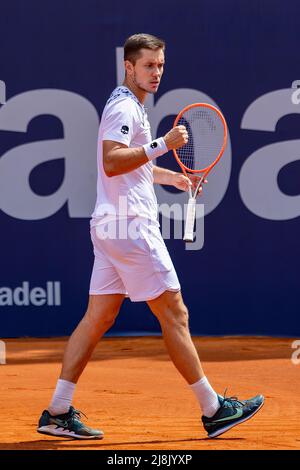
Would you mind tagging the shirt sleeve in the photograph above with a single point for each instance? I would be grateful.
(120, 122)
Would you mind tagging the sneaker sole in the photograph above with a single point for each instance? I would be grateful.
(225, 429)
(51, 431)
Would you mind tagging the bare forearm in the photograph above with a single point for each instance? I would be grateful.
(162, 175)
(123, 160)
(119, 159)
(172, 178)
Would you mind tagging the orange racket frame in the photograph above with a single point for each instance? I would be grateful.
(208, 168)
(191, 208)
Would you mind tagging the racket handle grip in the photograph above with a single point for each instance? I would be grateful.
(190, 220)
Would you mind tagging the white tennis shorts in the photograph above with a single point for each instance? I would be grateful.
(138, 266)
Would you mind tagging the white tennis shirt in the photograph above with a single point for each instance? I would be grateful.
(124, 120)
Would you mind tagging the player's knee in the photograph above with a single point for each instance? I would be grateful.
(103, 320)
(108, 320)
(176, 316)
(181, 316)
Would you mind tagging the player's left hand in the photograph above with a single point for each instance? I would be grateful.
(195, 180)
(182, 182)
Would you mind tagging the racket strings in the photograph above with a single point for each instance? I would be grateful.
(206, 137)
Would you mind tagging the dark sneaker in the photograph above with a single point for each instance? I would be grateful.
(231, 412)
(67, 425)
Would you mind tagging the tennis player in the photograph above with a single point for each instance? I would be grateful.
(138, 264)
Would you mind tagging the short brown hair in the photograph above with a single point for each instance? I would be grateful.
(135, 43)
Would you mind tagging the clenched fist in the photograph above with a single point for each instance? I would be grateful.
(176, 137)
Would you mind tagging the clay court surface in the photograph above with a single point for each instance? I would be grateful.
(131, 390)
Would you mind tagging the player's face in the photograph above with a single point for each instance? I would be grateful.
(148, 69)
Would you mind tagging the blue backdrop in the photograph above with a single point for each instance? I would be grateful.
(59, 62)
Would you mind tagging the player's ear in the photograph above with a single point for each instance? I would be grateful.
(128, 67)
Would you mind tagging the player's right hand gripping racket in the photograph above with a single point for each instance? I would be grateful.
(207, 131)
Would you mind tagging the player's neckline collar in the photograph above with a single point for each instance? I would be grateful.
(128, 92)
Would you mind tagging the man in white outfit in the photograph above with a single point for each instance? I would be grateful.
(137, 266)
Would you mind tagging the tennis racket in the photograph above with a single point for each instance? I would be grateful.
(207, 132)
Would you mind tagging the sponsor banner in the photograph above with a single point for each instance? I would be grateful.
(25, 295)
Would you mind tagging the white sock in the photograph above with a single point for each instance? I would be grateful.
(206, 396)
(62, 397)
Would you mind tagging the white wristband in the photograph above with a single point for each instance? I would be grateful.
(156, 148)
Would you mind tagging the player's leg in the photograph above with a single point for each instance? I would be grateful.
(172, 315)
(106, 296)
(219, 413)
(61, 419)
(100, 316)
